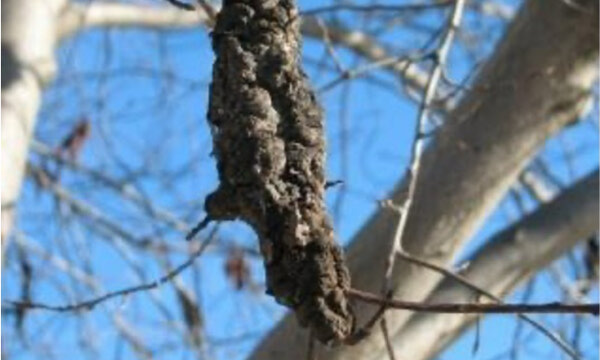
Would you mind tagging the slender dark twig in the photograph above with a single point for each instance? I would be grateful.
(181, 5)
(90, 304)
(552, 336)
(210, 11)
(201, 225)
(375, 7)
(476, 308)
(386, 337)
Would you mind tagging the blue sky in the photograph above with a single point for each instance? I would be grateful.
(145, 93)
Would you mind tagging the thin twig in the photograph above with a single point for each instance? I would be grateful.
(439, 56)
(88, 210)
(377, 7)
(330, 48)
(476, 308)
(211, 12)
(201, 225)
(122, 188)
(181, 5)
(90, 304)
(552, 336)
(386, 338)
(363, 70)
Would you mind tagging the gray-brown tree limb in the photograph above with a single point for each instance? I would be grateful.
(508, 258)
(533, 84)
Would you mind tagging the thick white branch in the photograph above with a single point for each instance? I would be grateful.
(27, 66)
(535, 82)
(508, 259)
(116, 14)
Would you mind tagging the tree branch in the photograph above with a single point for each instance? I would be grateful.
(509, 258)
(418, 146)
(28, 65)
(475, 308)
(91, 303)
(459, 279)
(518, 99)
(78, 17)
(124, 189)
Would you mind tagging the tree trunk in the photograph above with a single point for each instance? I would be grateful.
(28, 65)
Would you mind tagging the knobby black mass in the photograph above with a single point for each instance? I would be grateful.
(267, 130)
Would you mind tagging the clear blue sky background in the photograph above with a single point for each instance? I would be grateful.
(157, 123)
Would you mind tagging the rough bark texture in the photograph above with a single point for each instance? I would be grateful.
(537, 80)
(267, 130)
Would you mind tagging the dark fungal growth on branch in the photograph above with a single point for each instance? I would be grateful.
(267, 130)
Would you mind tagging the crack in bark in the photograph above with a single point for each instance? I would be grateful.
(267, 130)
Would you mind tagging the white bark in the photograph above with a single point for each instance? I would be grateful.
(511, 257)
(114, 14)
(31, 29)
(78, 17)
(28, 64)
(535, 82)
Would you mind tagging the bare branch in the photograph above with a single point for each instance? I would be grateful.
(459, 279)
(386, 337)
(56, 261)
(124, 190)
(378, 7)
(181, 5)
(511, 257)
(416, 152)
(475, 308)
(80, 16)
(95, 214)
(90, 304)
